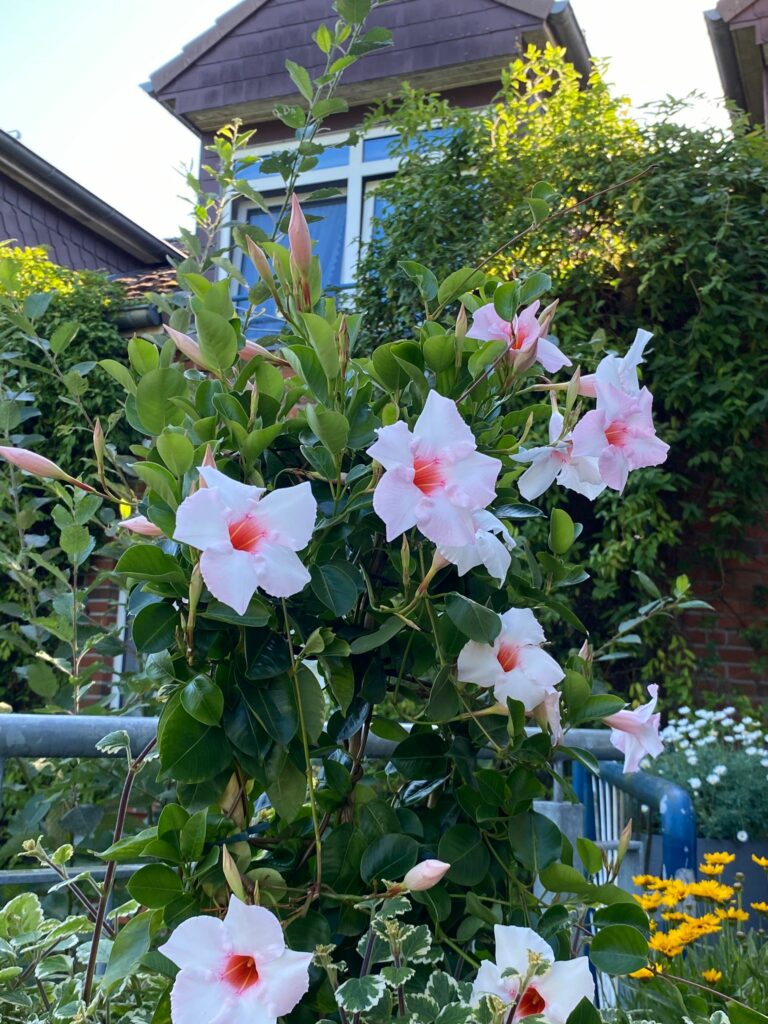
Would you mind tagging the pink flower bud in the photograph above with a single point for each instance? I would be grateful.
(425, 875)
(251, 349)
(208, 460)
(260, 262)
(38, 465)
(140, 524)
(298, 239)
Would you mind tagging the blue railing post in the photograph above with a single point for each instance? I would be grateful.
(582, 785)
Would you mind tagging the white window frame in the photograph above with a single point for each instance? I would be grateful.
(356, 176)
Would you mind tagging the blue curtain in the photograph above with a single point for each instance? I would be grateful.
(328, 236)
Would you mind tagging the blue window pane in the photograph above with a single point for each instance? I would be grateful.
(330, 157)
(381, 207)
(383, 147)
(328, 235)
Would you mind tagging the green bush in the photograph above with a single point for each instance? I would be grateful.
(679, 249)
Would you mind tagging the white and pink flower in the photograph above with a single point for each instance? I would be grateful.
(556, 462)
(425, 875)
(515, 664)
(237, 970)
(636, 733)
(491, 547)
(523, 337)
(526, 977)
(140, 525)
(620, 434)
(621, 371)
(248, 539)
(435, 478)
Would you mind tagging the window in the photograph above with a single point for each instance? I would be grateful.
(347, 220)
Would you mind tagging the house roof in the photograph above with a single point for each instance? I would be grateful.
(42, 179)
(738, 31)
(237, 66)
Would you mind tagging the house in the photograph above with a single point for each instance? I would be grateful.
(738, 30)
(237, 69)
(40, 205)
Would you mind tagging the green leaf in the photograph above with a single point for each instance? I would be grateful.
(203, 700)
(370, 641)
(535, 840)
(353, 11)
(534, 286)
(147, 562)
(119, 373)
(600, 705)
(389, 857)
(322, 338)
(217, 338)
(463, 848)
(622, 913)
(738, 1014)
(331, 428)
(474, 620)
(192, 837)
(324, 39)
(422, 277)
(143, 355)
(155, 885)
(256, 614)
(63, 336)
(190, 751)
(75, 541)
(300, 78)
(42, 680)
(440, 352)
(360, 995)
(421, 757)
(154, 627)
(160, 481)
(466, 279)
(590, 854)
(287, 790)
(585, 1013)
(506, 299)
(273, 704)
(132, 942)
(343, 850)
(37, 303)
(563, 878)
(153, 397)
(539, 210)
(336, 585)
(618, 950)
(176, 451)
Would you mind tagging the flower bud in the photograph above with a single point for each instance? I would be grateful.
(187, 346)
(461, 323)
(425, 875)
(38, 465)
(251, 349)
(585, 651)
(261, 263)
(299, 239)
(141, 525)
(547, 316)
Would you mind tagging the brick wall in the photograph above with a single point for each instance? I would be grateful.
(30, 220)
(732, 640)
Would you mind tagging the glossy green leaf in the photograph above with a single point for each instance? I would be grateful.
(155, 885)
(217, 339)
(474, 620)
(463, 848)
(389, 857)
(154, 627)
(619, 950)
(203, 700)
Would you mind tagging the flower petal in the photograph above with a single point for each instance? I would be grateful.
(518, 684)
(395, 500)
(472, 480)
(563, 987)
(253, 931)
(589, 434)
(197, 942)
(289, 513)
(196, 999)
(550, 356)
(513, 943)
(442, 522)
(235, 495)
(231, 576)
(540, 475)
(201, 520)
(489, 982)
(520, 626)
(441, 428)
(392, 446)
(614, 468)
(280, 571)
(487, 325)
(284, 981)
(478, 664)
(583, 476)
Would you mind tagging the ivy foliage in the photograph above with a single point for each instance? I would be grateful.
(679, 249)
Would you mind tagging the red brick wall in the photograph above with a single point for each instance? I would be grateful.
(732, 640)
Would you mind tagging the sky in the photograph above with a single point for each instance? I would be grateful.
(72, 73)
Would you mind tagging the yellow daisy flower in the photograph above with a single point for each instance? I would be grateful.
(666, 943)
(721, 858)
(711, 869)
(732, 914)
(644, 881)
(709, 889)
(762, 861)
(712, 975)
(761, 908)
(649, 900)
(647, 972)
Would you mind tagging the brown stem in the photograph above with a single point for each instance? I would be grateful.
(109, 876)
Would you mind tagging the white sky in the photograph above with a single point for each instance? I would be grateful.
(71, 71)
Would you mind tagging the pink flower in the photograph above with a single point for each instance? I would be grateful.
(620, 434)
(550, 994)
(236, 970)
(556, 462)
(514, 665)
(619, 371)
(490, 547)
(299, 238)
(249, 540)
(251, 349)
(190, 348)
(435, 478)
(526, 346)
(636, 733)
(425, 875)
(140, 524)
(38, 465)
